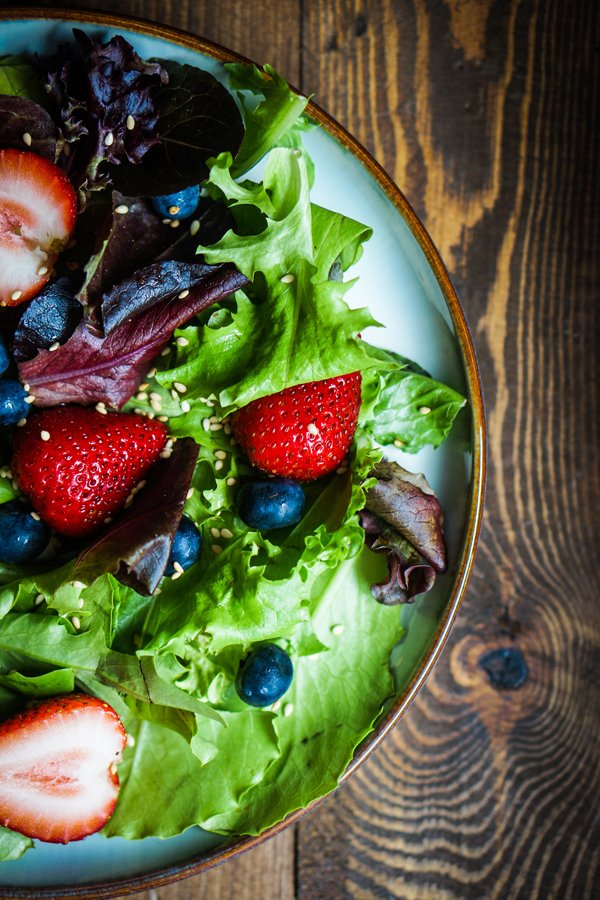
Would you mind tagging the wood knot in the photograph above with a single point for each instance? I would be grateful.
(505, 667)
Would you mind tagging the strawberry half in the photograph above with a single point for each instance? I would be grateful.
(78, 466)
(58, 779)
(38, 208)
(302, 432)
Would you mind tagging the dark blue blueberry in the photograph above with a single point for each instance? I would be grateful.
(505, 667)
(50, 318)
(273, 503)
(22, 537)
(4, 355)
(12, 402)
(186, 547)
(179, 205)
(264, 676)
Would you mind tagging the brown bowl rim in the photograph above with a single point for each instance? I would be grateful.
(179, 871)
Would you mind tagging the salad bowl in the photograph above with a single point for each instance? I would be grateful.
(403, 281)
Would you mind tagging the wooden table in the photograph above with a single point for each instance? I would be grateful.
(486, 115)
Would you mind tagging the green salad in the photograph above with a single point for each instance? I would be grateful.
(265, 271)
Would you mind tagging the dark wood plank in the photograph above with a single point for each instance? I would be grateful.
(487, 116)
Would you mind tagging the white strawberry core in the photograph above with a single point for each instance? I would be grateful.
(62, 775)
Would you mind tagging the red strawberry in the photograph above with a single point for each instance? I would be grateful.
(38, 208)
(58, 779)
(78, 466)
(302, 432)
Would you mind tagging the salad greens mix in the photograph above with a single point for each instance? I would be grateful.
(192, 323)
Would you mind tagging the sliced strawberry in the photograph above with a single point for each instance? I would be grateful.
(78, 466)
(302, 432)
(38, 208)
(58, 779)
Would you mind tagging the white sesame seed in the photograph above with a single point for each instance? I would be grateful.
(206, 424)
(219, 465)
(154, 395)
(101, 408)
(21, 422)
(214, 418)
(174, 209)
(165, 351)
(182, 342)
(130, 740)
(209, 402)
(194, 227)
(178, 567)
(54, 346)
(122, 209)
(276, 706)
(216, 532)
(220, 454)
(140, 485)
(39, 599)
(181, 388)
(424, 410)
(227, 429)
(185, 406)
(312, 428)
(163, 418)
(80, 603)
(231, 481)
(215, 426)
(27, 138)
(216, 548)
(398, 443)
(26, 387)
(176, 575)
(226, 533)
(166, 221)
(15, 295)
(45, 435)
(78, 584)
(35, 516)
(129, 123)
(287, 279)
(156, 405)
(166, 454)
(109, 139)
(152, 373)
(288, 709)
(43, 270)
(190, 493)
(337, 629)
(29, 398)
(76, 622)
(175, 223)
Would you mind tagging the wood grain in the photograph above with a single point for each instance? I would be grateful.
(486, 115)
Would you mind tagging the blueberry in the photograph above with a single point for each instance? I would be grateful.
(12, 402)
(264, 676)
(4, 355)
(273, 503)
(178, 205)
(22, 537)
(186, 547)
(50, 318)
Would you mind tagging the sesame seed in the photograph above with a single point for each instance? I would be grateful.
(209, 402)
(337, 629)
(275, 706)
(216, 548)
(39, 599)
(287, 279)
(166, 221)
(26, 387)
(341, 470)
(29, 398)
(152, 372)
(178, 567)
(424, 410)
(76, 622)
(163, 418)
(80, 603)
(227, 429)
(27, 138)
(216, 532)
(54, 346)
(174, 210)
(45, 435)
(398, 443)
(182, 342)
(190, 493)
(156, 405)
(226, 533)
(21, 422)
(154, 395)
(206, 424)
(165, 351)
(215, 426)
(231, 481)
(219, 465)
(220, 454)
(175, 223)
(109, 139)
(194, 227)
(214, 418)
(101, 408)
(130, 740)
(35, 516)
(129, 123)
(122, 209)
(141, 395)
(129, 500)
(288, 709)
(15, 295)
(43, 270)
(108, 520)
(78, 584)
(185, 406)
(179, 387)
(176, 574)
(312, 428)
(166, 454)
(139, 486)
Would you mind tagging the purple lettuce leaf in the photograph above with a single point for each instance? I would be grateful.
(403, 518)
(20, 116)
(90, 368)
(198, 119)
(135, 549)
(103, 93)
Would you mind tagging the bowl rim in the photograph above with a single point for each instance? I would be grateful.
(179, 871)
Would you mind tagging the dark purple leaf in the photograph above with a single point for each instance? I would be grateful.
(198, 119)
(89, 368)
(136, 548)
(20, 116)
(407, 576)
(406, 502)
